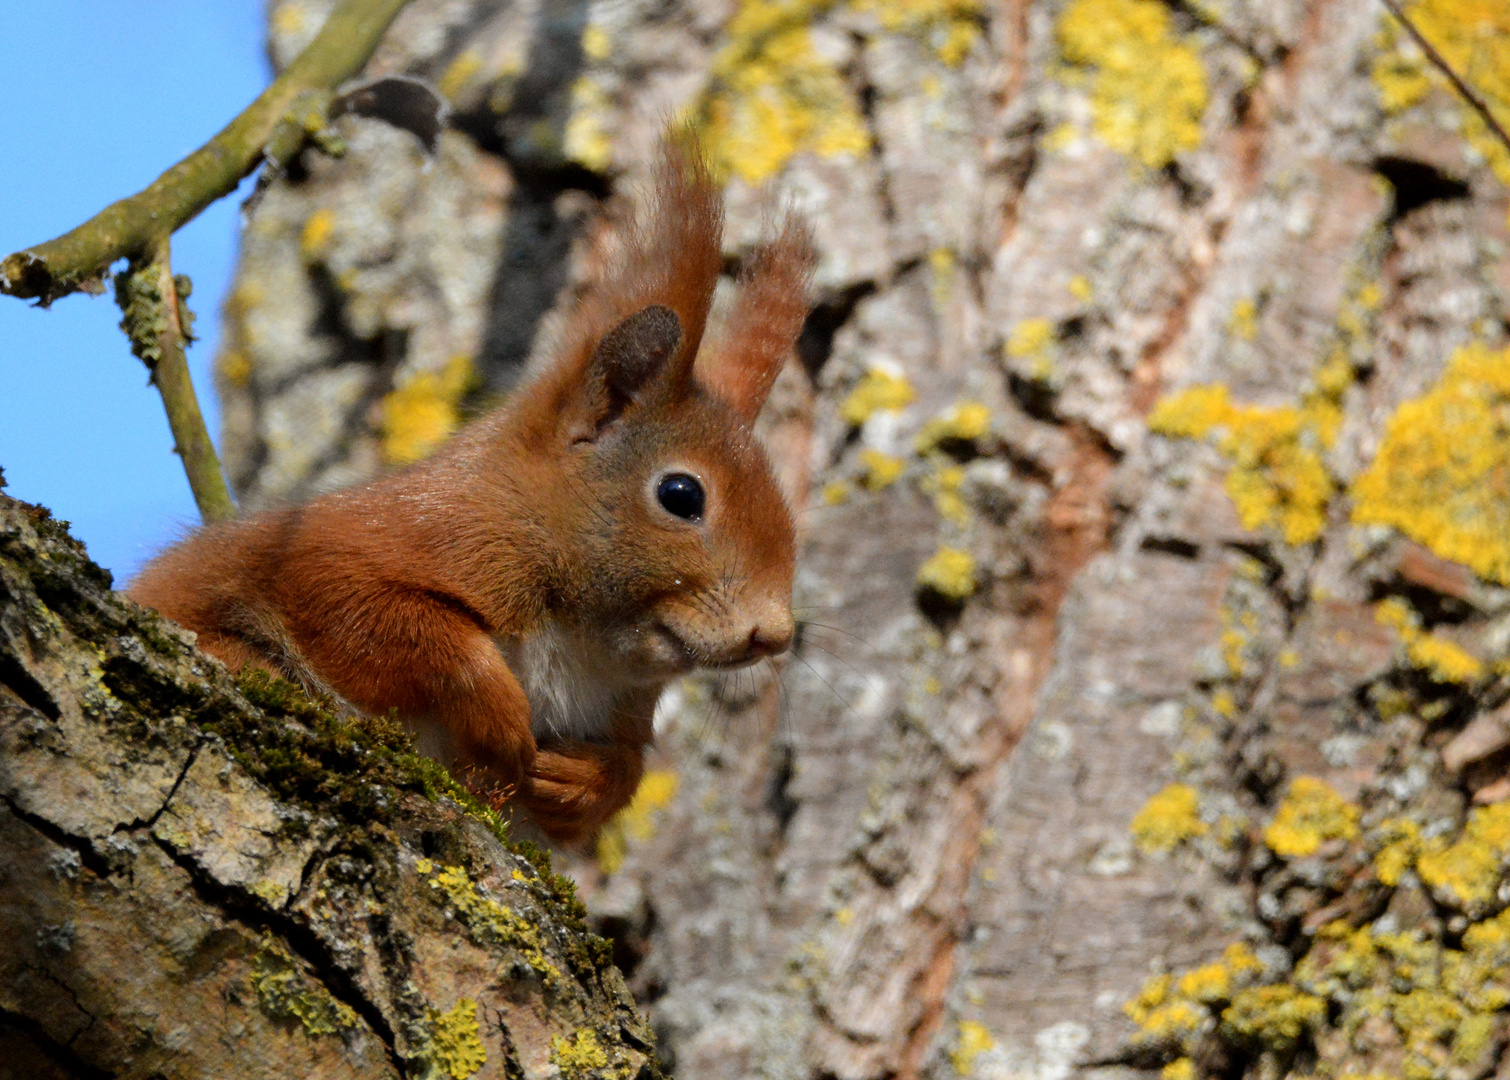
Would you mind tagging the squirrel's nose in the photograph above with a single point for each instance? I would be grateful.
(772, 635)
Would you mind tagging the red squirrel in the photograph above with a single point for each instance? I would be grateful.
(522, 598)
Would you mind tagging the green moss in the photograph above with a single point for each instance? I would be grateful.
(1147, 85)
(332, 763)
(1442, 474)
(284, 993)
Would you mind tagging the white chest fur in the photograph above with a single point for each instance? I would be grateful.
(564, 679)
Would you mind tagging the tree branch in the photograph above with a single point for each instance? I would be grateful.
(77, 260)
(1439, 61)
(156, 319)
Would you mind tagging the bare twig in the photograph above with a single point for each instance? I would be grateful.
(129, 228)
(156, 319)
(140, 228)
(1469, 95)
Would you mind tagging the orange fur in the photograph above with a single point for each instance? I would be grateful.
(522, 598)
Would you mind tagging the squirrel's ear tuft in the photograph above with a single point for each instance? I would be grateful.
(628, 358)
(761, 331)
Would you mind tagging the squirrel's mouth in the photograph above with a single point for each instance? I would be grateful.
(691, 656)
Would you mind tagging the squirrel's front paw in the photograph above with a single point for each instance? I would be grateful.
(573, 788)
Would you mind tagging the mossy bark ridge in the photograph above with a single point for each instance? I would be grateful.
(206, 877)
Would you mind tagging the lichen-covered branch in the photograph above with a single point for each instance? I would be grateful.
(156, 318)
(215, 876)
(78, 259)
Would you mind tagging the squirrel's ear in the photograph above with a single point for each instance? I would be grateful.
(626, 361)
(762, 328)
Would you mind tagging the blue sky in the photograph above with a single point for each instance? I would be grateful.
(101, 96)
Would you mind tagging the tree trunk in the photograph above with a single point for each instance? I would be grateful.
(205, 878)
(1152, 501)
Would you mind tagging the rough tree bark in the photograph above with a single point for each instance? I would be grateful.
(1150, 451)
(204, 878)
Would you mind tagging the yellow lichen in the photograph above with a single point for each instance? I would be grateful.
(1213, 982)
(1441, 1003)
(974, 1040)
(1401, 843)
(1168, 819)
(454, 1048)
(579, 1055)
(836, 493)
(773, 95)
(879, 389)
(636, 822)
(421, 413)
(1161, 1015)
(1442, 474)
(1242, 323)
(1276, 1015)
(1029, 338)
(1080, 288)
(284, 993)
(316, 233)
(944, 264)
(490, 920)
(949, 26)
(1446, 661)
(1470, 870)
(881, 470)
(235, 368)
(1147, 85)
(596, 44)
(1179, 1069)
(1277, 476)
(963, 423)
(1473, 36)
(944, 485)
(950, 572)
(585, 138)
(289, 19)
(1310, 814)
(459, 73)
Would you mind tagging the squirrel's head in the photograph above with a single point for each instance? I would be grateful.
(677, 546)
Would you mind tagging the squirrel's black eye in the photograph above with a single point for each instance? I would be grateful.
(681, 495)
